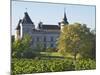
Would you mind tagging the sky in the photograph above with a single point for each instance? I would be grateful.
(50, 13)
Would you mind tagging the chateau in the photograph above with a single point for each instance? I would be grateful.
(44, 34)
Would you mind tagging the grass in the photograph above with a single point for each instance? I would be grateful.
(51, 53)
(57, 54)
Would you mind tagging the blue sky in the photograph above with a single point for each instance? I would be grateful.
(52, 13)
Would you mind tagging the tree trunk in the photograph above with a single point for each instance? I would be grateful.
(75, 56)
(74, 62)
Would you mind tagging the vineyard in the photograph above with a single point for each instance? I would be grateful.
(26, 66)
(75, 51)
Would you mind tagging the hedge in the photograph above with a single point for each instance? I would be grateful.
(27, 66)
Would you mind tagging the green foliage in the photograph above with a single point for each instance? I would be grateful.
(21, 48)
(39, 47)
(29, 54)
(74, 39)
(22, 66)
(12, 38)
(49, 49)
(16, 48)
(85, 64)
(26, 66)
(91, 53)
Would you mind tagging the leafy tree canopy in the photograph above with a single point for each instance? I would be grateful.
(21, 46)
(76, 38)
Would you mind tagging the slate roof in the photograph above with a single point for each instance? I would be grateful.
(18, 26)
(26, 19)
(65, 19)
(48, 26)
(51, 27)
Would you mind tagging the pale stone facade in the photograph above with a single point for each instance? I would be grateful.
(45, 34)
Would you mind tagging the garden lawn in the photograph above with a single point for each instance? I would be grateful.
(57, 54)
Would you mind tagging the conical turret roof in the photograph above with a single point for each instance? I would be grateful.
(18, 26)
(26, 19)
(65, 21)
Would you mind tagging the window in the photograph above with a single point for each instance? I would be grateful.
(51, 38)
(52, 45)
(44, 45)
(37, 38)
(32, 41)
(44, 38)
(27, 30)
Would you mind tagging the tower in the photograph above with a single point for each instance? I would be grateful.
(64, 21)
(18, 31)
(27, 25)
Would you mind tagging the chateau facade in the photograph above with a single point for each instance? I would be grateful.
(44, 34)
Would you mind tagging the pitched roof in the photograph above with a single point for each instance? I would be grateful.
(50, 27)
(26, 19)
(65, 21)
(18, 26)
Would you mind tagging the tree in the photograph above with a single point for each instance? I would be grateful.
(94, 44)
(75, 38)
(12, 38)
(39, 47)
(22, 46)
(92, 53)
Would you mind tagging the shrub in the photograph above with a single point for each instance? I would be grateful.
(29, 54)
(24, 66)
(49, 49)
(21, 66)
(85, 64)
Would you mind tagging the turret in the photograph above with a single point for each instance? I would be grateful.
(18, 31)
(64, 21)
(40, 25)
(27, 24)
